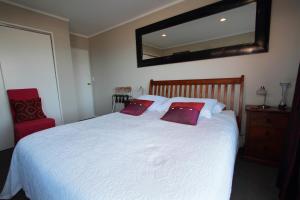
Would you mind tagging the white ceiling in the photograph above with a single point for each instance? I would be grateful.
(239, 20)
(89, 17)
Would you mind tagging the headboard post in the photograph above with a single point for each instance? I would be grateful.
(150, 87)
(241, 101)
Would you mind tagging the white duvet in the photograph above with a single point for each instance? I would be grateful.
(122, 157)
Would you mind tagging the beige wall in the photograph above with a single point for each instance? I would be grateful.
(60, 30)
(113, 58)
(79, 42)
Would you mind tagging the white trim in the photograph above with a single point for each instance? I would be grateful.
(11, 143)
(19, 26)
(79, 35)
(135, 18)
(35, 10)
(27, 28)
(57, 79)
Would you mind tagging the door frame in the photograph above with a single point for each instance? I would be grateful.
(40, 31)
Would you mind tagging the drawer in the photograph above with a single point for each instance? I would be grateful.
(262, 133)
(264, 142)
(269, 120)
(265, 151)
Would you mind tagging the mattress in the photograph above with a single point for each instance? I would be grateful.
(123, 157)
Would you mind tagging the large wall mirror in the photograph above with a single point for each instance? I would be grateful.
(225, 28)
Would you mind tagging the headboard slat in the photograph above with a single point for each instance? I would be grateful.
(201, 91)
(225, 94)
(176, 90)
(159, 90)
(180, 90)
(167, 91)
(190, 91)
(195, 91)
(206, 90)
(208, 86)
(232, 97)
(219, 92)
(155, 89)
(213, 91)
(171, 92)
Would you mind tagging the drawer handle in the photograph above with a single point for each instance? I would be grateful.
(267, 133)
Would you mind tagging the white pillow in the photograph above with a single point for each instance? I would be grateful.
(158, 101)
(205, 112)
(218, 108)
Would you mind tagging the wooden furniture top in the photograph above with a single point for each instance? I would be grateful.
(222, 89)
(255, 108)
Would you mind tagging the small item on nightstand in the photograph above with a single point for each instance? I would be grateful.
(263, 92)
(284, 88)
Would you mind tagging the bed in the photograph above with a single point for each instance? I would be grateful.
(118, 156)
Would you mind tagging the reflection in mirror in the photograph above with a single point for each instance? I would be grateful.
(229, 28)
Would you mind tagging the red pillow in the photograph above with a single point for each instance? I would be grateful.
(184, 112)
(27, 110)
(136, 107)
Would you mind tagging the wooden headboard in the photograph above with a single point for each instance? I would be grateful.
(223, 89)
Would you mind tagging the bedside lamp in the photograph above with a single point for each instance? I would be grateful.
(262, 92)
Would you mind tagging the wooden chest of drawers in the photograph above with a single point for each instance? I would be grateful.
(265, 130)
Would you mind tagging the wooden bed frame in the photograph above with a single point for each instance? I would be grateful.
(222, 89)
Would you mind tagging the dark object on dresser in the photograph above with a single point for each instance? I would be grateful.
(288, 177)
(265, 130)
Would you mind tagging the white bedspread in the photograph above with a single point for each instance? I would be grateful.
(122, 157)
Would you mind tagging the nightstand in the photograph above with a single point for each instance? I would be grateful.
(265, 134)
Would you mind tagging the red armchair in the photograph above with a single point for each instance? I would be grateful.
(22, 129)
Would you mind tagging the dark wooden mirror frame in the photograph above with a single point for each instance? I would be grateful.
(262, 30)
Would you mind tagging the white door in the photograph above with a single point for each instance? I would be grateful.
(27, 62)
(6, 124)
(81, 63)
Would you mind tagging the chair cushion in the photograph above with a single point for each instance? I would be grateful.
(26, 128)
(21, 94)
(27, 110)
